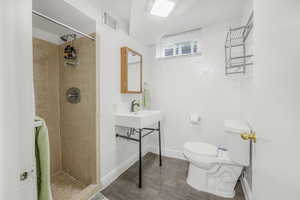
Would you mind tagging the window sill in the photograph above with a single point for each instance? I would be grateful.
(181, 56)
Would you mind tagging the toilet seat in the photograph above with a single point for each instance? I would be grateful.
(206, 155)
(200, 148)
(202, 155)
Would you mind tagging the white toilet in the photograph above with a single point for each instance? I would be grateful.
(216, 170)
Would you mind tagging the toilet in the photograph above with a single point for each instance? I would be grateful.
(216, 170)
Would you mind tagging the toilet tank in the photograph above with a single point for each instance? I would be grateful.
(239, 149)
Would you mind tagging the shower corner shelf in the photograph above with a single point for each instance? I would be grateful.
(236, 57)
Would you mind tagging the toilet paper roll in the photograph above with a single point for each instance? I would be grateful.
(195, 118)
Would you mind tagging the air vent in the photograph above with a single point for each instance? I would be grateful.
(110, 21)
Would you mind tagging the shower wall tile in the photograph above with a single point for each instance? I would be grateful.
(47, 91)
(78, 121)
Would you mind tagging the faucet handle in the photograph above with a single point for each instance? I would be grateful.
(134, 103)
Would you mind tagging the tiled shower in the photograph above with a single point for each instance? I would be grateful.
(71, 126)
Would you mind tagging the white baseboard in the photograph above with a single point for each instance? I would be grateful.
(246, 188)
(169, 153)
(116, 172)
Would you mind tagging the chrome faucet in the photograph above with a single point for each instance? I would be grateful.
(134, 103)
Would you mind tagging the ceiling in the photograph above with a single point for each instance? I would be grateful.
(187, 15)
(63, 12)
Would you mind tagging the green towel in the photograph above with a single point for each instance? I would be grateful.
(42, 155)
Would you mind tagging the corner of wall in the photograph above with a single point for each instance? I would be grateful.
(171, 153)
(120, 169)
(246, 189)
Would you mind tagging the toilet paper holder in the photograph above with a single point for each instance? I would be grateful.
(195, 118)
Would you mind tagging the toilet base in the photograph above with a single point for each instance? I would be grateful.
(219, 181)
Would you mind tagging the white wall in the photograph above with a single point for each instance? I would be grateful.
(16, 100)
(277, 99)
(247, 80)
(196, 84)
(115, 153)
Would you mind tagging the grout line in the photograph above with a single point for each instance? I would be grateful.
(74, 180)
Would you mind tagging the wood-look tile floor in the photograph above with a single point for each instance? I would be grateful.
(65, 187)
(99, 196)
(159, 183)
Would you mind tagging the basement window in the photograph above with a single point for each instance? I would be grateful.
(181, 44)
(180, 49)
(169, 51)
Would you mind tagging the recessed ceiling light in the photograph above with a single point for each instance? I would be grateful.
(162, 8)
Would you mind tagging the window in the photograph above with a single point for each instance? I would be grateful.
(186, 48)
(180, 49)
(180, 44)
(168, 52)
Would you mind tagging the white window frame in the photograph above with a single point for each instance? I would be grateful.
(179, 45)
(176, 41)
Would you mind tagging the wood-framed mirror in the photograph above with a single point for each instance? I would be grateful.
(131, 71)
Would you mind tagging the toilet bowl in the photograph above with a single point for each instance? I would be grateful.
(211, 169)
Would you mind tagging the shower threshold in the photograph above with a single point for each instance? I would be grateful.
(65, 187)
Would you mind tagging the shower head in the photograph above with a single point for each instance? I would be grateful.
(65, 38)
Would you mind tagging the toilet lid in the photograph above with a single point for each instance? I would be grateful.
(201, 148)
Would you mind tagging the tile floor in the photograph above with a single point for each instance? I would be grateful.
(99, 196)
(65, 187)
(165, 183)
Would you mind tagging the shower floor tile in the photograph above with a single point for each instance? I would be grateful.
(65, 187)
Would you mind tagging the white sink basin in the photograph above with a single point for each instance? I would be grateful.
(141, 119)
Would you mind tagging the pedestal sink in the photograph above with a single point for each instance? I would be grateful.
(138, 120)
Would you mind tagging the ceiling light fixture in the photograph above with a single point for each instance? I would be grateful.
(162, 8)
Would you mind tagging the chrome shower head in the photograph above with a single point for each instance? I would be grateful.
(65, 38)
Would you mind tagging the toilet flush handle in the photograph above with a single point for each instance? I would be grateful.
(249, 136)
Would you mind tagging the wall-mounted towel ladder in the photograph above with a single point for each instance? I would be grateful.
(236, 57)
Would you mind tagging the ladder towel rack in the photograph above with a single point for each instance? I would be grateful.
(236, 57)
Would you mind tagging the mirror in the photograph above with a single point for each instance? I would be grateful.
(131, 71)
